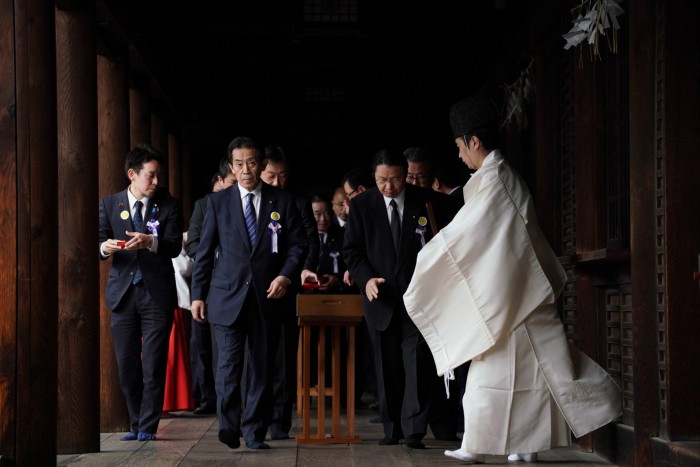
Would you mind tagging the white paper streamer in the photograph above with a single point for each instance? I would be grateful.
(602, 15)
(274, 228)
(334, 255)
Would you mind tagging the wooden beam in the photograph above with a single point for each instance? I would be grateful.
(113, 145)
(28, 247)
(78, 277)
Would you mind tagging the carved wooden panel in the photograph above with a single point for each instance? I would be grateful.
(660, 186)
(619, 358)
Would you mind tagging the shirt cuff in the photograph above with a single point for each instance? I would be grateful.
(154, 247)
(104, 255)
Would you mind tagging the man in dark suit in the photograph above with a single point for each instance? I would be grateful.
(328, 268)
(201, 354)
(141, 229)
(276, 172)
(258, 234)
(387, 227)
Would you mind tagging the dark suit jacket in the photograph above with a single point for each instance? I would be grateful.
(194, 230)
(237, 268)
(369, 252)
(334, 244)
(309, 221)
(156, 268)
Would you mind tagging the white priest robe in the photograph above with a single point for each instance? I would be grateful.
(484, 290)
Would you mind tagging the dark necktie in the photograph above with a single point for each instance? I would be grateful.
(138, 225)
(250, 219)
(395, 225)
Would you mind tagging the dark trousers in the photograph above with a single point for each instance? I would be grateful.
(285, 376)
(403, 361)
(141, 335)
(251, 332)
(201, 365)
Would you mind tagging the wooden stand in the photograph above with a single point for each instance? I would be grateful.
(334, 312)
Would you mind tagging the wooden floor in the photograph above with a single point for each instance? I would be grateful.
(189, 440)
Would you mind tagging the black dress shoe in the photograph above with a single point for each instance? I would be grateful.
(376, 420)
(448, 438)
(388, 441)
(205, 410)
(415, 444)
(277, 434)
(230, 438)
(254, 444)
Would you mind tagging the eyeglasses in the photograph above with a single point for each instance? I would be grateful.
(351, 194)
(389, 181)
(417, 178)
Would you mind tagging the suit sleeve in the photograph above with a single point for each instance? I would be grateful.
(195, 228)
(204, 264)
(105, 228)
(355, 248)
(170, 235)
(307, 218)
(297, 247)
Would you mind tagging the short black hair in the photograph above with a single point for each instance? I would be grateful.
(276, 155)
(224, 170)
(488, 135)
(357, 177)
(448, 172)
(421, 155)
(244, 142)
(391, 158)
(319, 198)
(141, 155)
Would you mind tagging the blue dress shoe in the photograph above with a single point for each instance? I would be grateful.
(131, 436)
(146, 436)
(254, 444)
(230, 438)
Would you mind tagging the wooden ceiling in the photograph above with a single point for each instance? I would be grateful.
(331, 89)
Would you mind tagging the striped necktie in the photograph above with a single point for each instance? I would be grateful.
(250, 219)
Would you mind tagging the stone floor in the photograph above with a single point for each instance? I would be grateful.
(189, 440)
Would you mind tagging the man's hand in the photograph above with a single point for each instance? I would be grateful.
(138, 241)
(278, 287)
(347, 278)
(197, 310)
(308, 276)
(328, 282)
(372, 287)
(110, 246)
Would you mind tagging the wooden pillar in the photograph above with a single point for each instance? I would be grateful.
(681, 98)
(78, 270)
(174, 165)
(159, 138)
(186, 201)
(139, 113)
(642, 226)
(28, 246)
(113, 145)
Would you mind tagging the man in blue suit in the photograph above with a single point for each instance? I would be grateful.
(258, 233)
(141, 229)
